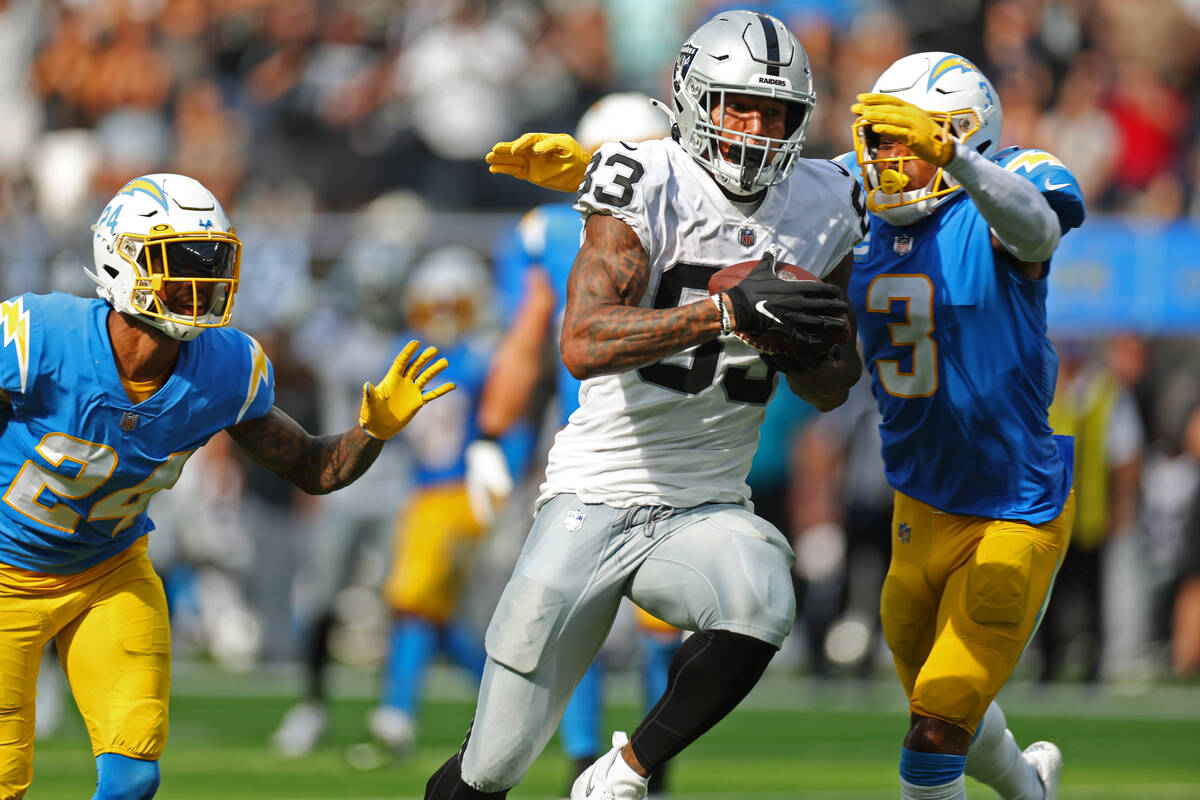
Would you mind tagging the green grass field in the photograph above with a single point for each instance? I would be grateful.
(790, 739)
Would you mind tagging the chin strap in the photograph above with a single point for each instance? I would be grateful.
(663, 107)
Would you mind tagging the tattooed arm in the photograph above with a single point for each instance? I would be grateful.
(315, 464)
(604, 330)
(827, 387)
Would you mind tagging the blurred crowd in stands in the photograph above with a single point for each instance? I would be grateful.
(346, 138)
(346, 99)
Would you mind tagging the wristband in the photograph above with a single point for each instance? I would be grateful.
(726, 322)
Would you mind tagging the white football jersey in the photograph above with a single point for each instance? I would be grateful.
(683, 431)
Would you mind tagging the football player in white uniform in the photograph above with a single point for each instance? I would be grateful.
(645, 493)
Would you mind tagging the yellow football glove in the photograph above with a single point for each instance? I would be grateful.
(892, 116)
(550, 160)
(388, 407)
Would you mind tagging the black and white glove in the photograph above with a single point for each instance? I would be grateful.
(804, 312)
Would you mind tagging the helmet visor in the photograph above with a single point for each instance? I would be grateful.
(190, 279)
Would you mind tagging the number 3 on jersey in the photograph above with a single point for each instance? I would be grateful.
(916, 292)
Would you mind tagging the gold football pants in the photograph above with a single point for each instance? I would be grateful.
(114, 641)
(962, 597)
(435, 539)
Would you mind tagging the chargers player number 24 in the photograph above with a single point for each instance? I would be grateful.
(90, 465)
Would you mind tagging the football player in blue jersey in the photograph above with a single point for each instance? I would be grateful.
(437, 533)
(101, 404)
(950, 294)
(949, 290)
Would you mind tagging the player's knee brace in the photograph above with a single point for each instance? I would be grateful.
(709, 676)
(120, 777)
(998, 581)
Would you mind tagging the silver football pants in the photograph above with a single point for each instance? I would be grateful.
(711, 567)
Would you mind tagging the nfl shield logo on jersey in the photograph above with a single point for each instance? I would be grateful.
(903, 532)
(747, 237)
(573, 521)
(902, 244)
(129, 421)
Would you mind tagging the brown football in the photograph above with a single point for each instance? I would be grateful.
(731, 276)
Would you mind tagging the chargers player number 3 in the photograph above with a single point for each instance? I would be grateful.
(916, 292)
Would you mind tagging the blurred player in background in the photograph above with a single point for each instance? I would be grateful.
(1093, 406)
(103, 402)
(352, 332)
(645, 492)
(541, 250)
(949, 290)
(447, 301)
(844, 515)
(950, 294)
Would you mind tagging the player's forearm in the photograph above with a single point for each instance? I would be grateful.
(1021, 217)
(314, 464)
(512, 379)
(608, 338)
(516, 367)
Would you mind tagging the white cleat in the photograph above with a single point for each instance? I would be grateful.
(1047, 759)
(609, 780)
(302, 727)
(394, 728)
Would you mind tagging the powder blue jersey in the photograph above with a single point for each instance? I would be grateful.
(439, 443)
(964, 372)
(549, 237)
(79, 461)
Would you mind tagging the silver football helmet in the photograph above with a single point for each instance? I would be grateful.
(957, 96)
(164, 251)
(741, 52)
(621, 117)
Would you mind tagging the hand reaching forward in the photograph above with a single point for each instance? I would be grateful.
(550, 160)
(892, 116)
(388, 406)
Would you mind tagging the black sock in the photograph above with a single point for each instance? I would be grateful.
(658, 780)
(316, 655)
(447, 784)
(710, 674)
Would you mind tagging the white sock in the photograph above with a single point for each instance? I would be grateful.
(954, 790)
(995, 759)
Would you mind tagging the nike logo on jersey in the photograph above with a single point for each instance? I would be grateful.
(761, 307)
(1050, 187)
